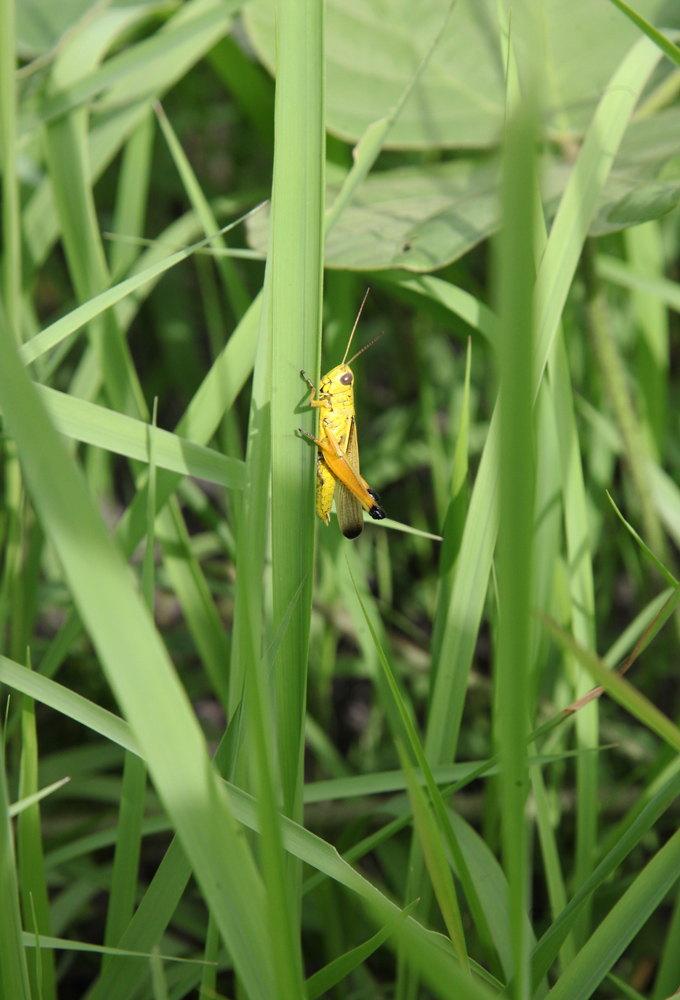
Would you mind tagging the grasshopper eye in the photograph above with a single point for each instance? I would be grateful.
(347, 378)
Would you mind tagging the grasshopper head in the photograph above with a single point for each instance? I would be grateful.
(338, 379)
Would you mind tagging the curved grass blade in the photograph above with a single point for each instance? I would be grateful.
(666, 574)
(233, 285)
(435, 859)
(29, 800)
(620, 925)
(73, 705)
(77, 318)
(665, 44)
(333, 973)
(124, 435)
(617, 686)
(547, 948)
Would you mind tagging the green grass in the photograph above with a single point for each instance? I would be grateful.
(242, 756)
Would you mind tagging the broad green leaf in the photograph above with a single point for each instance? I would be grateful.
(420, 218)
(461, 99)
(644, 182)
(40, 23)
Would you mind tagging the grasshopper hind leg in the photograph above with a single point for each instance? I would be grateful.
(376, 511)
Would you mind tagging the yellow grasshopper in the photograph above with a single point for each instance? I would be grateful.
(337, 462)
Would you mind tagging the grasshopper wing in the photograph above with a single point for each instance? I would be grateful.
(348, 507)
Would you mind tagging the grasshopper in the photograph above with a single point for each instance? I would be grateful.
(337, 463)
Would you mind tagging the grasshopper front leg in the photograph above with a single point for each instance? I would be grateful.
(312, 401)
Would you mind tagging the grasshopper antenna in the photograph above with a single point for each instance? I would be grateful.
(354, 328)
(369, 344)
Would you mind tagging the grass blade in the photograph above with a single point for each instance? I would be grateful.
(617, 686)
(666, 46)
(34, 895)
(296, 249)
(11, 204)
(124, 435)
(13, 968)
(517, 478)
(233, 285)
(435, 859)
(325, 979)
(620, 925)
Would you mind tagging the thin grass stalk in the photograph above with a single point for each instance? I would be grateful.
(33, 885)
(234, 288)
(155, 911)
(546, 554)
(515, 539)
(296, 249)
(644, 249)
(126, 858)
(13, 968)
(11, 290)
(252, 522)
(547, 948)
(454, 522)
(133, 789)
(668, 973)
(132, 193)
(617, 390)
(581, 593)
(553, 282)
(11, 227)
(13, 527)
(283, 932)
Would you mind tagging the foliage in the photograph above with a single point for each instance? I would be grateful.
(242, 755)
